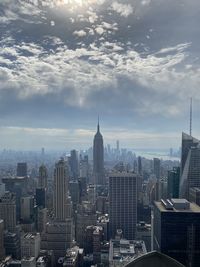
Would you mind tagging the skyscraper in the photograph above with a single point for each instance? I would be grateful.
(189, 164)
(123, 204)
(187, 142)
(173, 179)
(176, 230)
(98, 158)
(156, 168)
(8, 211)
(22, 169)
(2, 250)
(191, 172)
(43, 175)
(74, 164)
(60, 190)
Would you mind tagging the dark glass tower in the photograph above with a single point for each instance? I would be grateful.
(98, 158)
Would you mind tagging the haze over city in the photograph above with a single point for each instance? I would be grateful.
(63, 63)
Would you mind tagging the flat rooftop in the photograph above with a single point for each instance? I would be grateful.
(192, 207)
(126, 250)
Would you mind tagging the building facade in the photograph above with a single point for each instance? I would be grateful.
(176, 230)
(123, 204)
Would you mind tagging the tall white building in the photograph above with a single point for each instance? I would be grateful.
(123, 204)
(60, 190)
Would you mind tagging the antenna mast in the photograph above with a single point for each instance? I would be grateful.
(191, 116)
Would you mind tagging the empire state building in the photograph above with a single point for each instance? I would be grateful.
(98, 158)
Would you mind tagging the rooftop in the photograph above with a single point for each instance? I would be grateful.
(125, 250)
(177, 205)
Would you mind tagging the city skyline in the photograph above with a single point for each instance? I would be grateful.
(135, 63)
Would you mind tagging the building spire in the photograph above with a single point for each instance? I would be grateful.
(191, 116)
(98, 127)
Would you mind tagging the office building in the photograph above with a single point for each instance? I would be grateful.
(2, 250)
(123, 204)
(41, 219)
(74, 190)
(27, 209)
(173, 179)
(58, 237)
(139, 165)
(156, 168)
(194, 195)
(30, 245)
(187, 142)
(2, 189)
(74, 164)
(98, 158)
(22, 169)
(191, 172)
(176, 230)
(144, 233)
(8, 211)
(84, 167)
(43, 176)
(60, 190)
(12, 244)
(40, 197)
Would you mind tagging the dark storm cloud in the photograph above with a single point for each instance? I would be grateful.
(131, 61)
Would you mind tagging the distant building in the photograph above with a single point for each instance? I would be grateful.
(156, 168)
(12, 244)
(173, 179)
(60, 190)
(43, 175)
(194, 195)
(139, 165)
(22, 169)
(74, 164)
(41, 219)
(123, 204)
(98, 158)
(2, 189)
(58, 237)
(27, 209)
(84, 167)
(8, 211)
(74, 189)
(176, 230)
(2, 250)
(40, 197)
(30, 245)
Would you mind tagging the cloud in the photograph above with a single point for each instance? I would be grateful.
(123, 9)
(98, 58)
(80, 33)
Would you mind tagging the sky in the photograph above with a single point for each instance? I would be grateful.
(135, 63)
